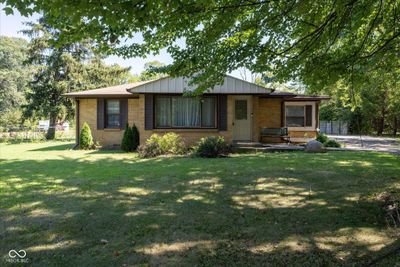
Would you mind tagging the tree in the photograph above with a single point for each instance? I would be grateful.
(14, 76)
(85, 137)
(135, 137)
(151, 69)
(127, 139)
(62, 69)
(318, 42)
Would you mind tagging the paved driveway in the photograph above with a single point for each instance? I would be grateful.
(382, 144)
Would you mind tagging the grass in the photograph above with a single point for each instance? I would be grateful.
(275, 208)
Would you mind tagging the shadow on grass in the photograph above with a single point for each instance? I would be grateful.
(277, 209)
(67, 146)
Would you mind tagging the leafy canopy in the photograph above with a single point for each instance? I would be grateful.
(316, 42)
(14, 77)
(61, 69)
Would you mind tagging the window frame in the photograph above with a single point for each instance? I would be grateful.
(106, 123)
(170, 96)
(304, 105)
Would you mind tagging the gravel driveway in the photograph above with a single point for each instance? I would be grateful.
(382, 144)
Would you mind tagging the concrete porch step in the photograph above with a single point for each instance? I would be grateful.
(267, 148)
(246, 144)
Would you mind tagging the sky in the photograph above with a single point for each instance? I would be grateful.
(11, 25)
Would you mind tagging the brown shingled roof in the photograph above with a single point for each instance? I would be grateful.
(118, 90)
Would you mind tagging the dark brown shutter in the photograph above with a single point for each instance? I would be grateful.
(308, 115)
(123, 113)
(148, 111)
(100, 114)
(222, 112)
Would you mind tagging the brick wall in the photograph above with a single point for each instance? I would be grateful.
(266, 113)
(190, 136)
(107, 137)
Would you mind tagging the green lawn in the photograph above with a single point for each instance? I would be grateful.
(273, 208)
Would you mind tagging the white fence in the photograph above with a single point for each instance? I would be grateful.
(333, 127)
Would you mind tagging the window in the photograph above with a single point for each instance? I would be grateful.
(112, 113)
(241, 109)
(185, 112)
(299, 116)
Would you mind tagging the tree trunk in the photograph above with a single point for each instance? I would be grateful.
(395, 126)
(381, 125)
(51, 132)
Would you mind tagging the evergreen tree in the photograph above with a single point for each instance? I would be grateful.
(127, 139)
(85, 138)
(135, 137)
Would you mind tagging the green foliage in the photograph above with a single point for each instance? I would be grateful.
(85, 137)
(171, 143)
(331, 143)
(127, 139)
(14, 77)
(151, 71)
(168, 144)
(322, 138)
(212, 147)
(135, 137)
(61, 69)
(149, 150)
(317, 42)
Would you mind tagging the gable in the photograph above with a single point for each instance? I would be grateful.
(179, 85)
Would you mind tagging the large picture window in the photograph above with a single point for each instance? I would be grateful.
(299, 116)
(185, 112)
(112, 113)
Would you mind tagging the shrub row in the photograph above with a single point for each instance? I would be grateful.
(172, 144)
(156, 145)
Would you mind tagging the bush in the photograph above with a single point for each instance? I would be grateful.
(85, 138)
(322, 138)
(127, 139)
(135, 137)
(331, 143)
(149, 150)
(212, 147)
(171, 143)
(156, 145)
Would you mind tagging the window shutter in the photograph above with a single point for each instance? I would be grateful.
(308, 115)
(100, 114)
(222, 113)
(148, 112)
(123, 116)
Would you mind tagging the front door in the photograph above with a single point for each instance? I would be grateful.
(242, 118)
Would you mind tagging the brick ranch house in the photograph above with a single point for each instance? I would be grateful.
(237, 110)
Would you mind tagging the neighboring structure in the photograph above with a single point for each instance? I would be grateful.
(44, 125)
(334, 127)
(236, 110)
